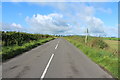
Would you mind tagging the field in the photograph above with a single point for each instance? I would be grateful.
(109, 38)
(113, 44)
(99, 50)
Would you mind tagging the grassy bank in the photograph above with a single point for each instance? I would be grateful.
(97, 50)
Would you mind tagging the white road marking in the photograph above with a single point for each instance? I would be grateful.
(48, 64)
(56, 46)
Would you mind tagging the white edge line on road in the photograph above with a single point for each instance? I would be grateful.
(46, 68)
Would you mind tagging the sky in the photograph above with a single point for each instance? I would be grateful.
(61, 18)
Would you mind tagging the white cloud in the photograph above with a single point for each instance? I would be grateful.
(11, 27)
(16, 25)
(47, 24)
(95, 24)
(98, 28)
(83, 18)
(80, 18)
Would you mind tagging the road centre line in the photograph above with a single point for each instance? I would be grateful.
(56, 46)
(48, 64)
(46, 68)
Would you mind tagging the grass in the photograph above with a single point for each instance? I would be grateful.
(12, 51)
(104, 58)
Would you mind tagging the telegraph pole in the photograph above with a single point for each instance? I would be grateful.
(86, 38)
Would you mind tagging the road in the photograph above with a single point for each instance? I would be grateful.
(55, 59)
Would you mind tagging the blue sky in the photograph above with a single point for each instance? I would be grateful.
(101, 18)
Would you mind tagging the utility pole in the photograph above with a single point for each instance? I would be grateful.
(86, 38)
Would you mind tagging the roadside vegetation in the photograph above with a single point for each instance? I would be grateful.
(15, 43)
(100, 51)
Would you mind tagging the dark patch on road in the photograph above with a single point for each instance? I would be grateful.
(38, 56)
(70, 77)
(26, 68)
(72, 65)
(11, 68)
(74, 69)
(14, 67)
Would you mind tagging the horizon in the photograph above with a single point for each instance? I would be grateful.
(62, 35)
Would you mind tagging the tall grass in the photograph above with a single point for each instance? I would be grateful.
(96, 50)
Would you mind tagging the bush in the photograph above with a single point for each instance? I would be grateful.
(97, 42)
(102, 44)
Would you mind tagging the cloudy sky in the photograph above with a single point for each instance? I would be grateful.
(66, 18)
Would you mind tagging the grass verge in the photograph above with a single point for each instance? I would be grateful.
(12, 51)
(105, 59)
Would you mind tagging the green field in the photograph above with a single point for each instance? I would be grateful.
(99, 51)
(109, 38)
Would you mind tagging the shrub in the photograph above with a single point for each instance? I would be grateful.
(97, 42)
